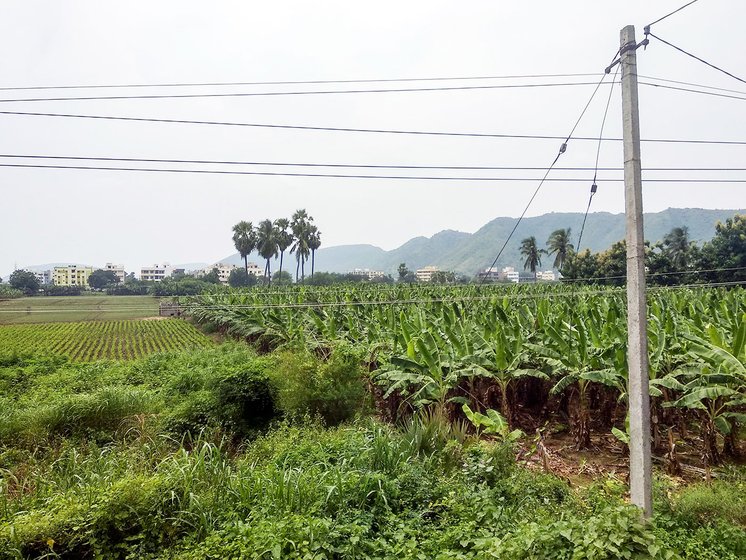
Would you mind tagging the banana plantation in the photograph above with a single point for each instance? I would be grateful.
(541, 355)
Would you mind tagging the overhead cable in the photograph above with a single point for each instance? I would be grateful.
(281, 93)
(298, 82)
(353, 165)
(369, 130)
(695, 57)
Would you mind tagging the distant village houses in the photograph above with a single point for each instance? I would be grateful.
(510, 274)
(425, 274)
(367, 273)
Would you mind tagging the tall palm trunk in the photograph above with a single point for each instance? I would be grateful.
(282, 253)
(313, 261)
(246, 264)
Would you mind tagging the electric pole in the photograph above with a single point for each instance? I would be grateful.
(640, 469)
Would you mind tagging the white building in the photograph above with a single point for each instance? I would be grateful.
(224, 271)
(255, 269)
(155, 273)
(426, 274)
(367, 273)
(510, 273)
(44, 277)
(547, 275)
(117, 269)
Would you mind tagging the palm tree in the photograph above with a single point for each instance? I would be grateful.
(676, 246)
(532, 253)
(300, 223)
(284, 237)
(559, 245)
(314, 242)
(244, 238)
(266, 244)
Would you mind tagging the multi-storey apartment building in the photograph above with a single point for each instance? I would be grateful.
(117, 269)
(44, 277)
(367, 273)
(426, 274)
(72, 275)
(224, 271)
(155, 273)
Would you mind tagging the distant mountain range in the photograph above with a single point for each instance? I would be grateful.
(471, 252)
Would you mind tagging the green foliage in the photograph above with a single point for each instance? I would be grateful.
(24, 281)
(100, 279)
(491, 423)
(332, 389)
(702, 504)
(9, 292)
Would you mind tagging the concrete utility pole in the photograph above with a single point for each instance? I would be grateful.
(637, 350)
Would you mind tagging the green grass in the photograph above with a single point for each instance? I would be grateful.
(95, 340)
(43, 309)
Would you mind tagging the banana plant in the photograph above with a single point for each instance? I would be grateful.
(501, 357)
(723, 373)
(491, 423)
(569, 352)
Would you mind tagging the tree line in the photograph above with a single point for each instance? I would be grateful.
(272, 238)
(675, 259)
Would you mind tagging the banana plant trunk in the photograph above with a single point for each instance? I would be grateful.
(582, 420)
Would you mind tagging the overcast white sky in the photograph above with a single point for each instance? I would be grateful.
(140, 218)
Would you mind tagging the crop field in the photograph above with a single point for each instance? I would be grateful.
(525, 350)
(94, 340)
(454, 423)
(43, 309)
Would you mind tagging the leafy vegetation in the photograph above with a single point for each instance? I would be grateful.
(111, 474)
(89, 341)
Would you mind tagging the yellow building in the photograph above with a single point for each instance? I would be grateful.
(72, 275)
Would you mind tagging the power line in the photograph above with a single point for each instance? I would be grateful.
(368, 130)
(703, 61)
(690, 90)
(562, 149)
(357, 176)
(306, 305)
(680, 82)
(279, 93)
(656, 274)
(298, 82)
(670, 14)
(355, 165)
(594, 185)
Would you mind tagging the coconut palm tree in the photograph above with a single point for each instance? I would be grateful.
(284, 237)
(314, 242)
(244, 239)
(266, 245)
(559, 245)
(676, 246)
(299, 224)
(531, 251)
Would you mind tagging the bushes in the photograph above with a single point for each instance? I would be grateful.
(332, 389)
(712, 503)
(102, 410)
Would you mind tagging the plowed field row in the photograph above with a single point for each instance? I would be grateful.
(95, 340)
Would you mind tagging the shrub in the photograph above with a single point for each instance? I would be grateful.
(709, 503)
(102, 410)
(332, 389)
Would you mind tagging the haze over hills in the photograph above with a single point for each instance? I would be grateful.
(470, 252)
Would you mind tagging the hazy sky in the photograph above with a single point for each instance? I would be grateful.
(139, 218)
